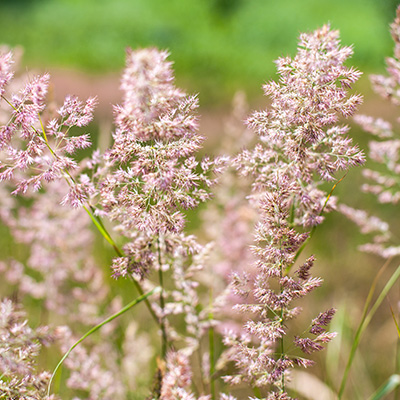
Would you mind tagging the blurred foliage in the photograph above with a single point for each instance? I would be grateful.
(218, 46)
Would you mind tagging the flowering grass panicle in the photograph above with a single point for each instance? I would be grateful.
(300, 147)
(147, 179)
(19, 349)
(178, 379)
(297, 135)
(228, 222)
(228, 219)
(94, 368)
(60, 268)
(61, 272)
(36, 145)
(155, 173)
(384, 151)
(152, 174)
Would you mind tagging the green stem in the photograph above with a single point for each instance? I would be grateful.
(199, 352)
(100, 226)
(289, 267)
(103, 231)
(146, 301)
(44, 132)
(391, 384)
(282, 342)
(397, 360)
(397, 391)
(162, 303)
(97, 327)
(212, 348)
(366, 319)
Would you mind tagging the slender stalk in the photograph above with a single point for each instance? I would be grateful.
(282, 342)
(397, 361)
(99, 224)
(43, 130)
(199, 352)
(90, 211)
(391, 384)
(289, 267)
(366, 319)
(211, 348)
(395, 320)
(97, 327)
(162, 303)
(146, 301)
(397, 368)
(57, 382)
(103, 231)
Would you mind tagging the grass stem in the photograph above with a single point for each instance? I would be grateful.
(366, 318)
(211, 348)
(97, 327)
(288, 268)
(162, 303)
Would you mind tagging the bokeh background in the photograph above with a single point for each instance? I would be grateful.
(220, 47)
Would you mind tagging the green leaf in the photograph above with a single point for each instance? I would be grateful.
(395, 321)
(392, 383)
(366, 318)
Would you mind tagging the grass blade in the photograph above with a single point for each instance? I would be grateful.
(391, 384)
(397, 364)
(97, 327)
(366, 318)
(395, 321)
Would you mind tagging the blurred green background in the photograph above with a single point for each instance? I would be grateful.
(218, 46)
